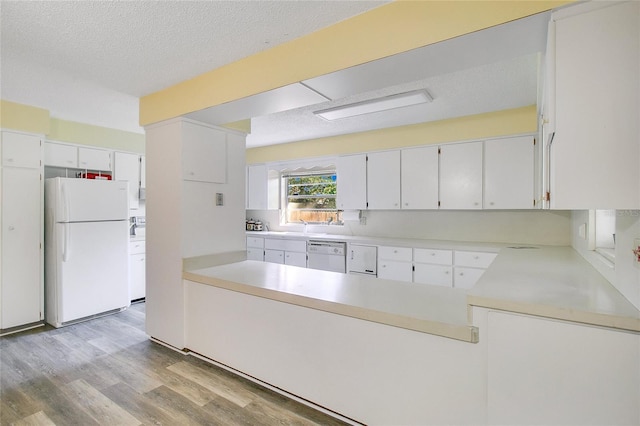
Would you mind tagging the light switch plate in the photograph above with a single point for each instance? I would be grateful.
(219, 199)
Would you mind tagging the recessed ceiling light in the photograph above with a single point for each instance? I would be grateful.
(376, 105)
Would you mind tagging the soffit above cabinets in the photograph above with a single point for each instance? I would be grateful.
(489, 70)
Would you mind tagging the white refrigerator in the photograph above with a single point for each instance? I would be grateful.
(86, 249)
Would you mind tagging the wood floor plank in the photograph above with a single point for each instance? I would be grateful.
(143, 408)
(137, 379)
(184, 411)
(216, 384)
(61, 409)
(36, 419)
(176, 382)
(99, 406)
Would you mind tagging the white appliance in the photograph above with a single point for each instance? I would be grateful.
(326, 255)
(363, 259)
(86, 248)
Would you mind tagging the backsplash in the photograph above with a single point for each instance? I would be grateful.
(522, 227)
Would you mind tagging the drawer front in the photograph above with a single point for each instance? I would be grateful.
(296, 245)
(402, 254)
(136, 247)
(433, 274)
(256, 242)
(275, 244)
(474, 259)
(466, 277)
(436, 257)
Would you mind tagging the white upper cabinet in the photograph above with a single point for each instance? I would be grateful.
(352, 182)
(204, 154)
(461, 176)
(127, 168)
(419, 178)
(94, 159)
(508, 173)
(257, 187)
(383, 180)
(20, 150)
(60, 155)
(594, 106)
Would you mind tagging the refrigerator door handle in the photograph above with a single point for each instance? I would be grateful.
(65, 243)
(65, 203)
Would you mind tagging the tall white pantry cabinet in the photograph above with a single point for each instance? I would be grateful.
(21, 233)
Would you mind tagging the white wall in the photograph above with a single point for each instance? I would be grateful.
(211, 229)
(523, 227)
(625, 276)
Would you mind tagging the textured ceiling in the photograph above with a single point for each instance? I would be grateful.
(90, 61)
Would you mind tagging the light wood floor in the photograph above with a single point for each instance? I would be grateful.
(107, 372)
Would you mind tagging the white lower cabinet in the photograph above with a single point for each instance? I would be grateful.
(433, 274)
(394, 263)
(255, 248)
(288, 252)
(295, 259)
(469, 267)
(274, 256)
(137, 271)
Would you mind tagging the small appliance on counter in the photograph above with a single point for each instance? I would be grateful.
(253, 225)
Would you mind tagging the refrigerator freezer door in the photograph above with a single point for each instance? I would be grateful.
(81, 200)
(92, 270)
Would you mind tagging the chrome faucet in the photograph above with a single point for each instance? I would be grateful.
(305, 223)
(329, 221)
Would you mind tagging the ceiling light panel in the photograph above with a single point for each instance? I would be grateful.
(375, 105)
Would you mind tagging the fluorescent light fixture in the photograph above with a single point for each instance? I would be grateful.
(375, 105)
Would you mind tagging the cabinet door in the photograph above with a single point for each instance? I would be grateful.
(59, 155)
(94, 159)
(257, 187)
(466, 277)
(508, 173)
(352, 182)
(127, 168)
(433, 274)
(20, 150)
(419, 178)
(274, 256)
(137, 276)
(383, 180)
(204, 154)
(254, 253)
(594, 152)
(295, 259)
(392, 270)
(461, 176)
(21, 262)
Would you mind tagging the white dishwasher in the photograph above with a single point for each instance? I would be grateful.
(326, 255)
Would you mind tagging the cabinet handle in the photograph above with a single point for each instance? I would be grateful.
(446, 272)
(9, 160)
(406, 204)
(12, 228)
(461, 273)
(476, 257)
(433, 254)
(395, 251)
(491, 203)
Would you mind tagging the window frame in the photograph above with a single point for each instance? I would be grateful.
(286, 198)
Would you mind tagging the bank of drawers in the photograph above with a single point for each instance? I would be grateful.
(449, 268)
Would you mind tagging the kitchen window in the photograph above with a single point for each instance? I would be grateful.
(311, 198)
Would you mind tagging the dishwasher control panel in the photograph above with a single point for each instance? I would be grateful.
(326, 247)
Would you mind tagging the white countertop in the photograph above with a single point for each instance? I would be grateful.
(430, 309)
(553, 282)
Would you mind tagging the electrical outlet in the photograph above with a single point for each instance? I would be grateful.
(636, 249)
